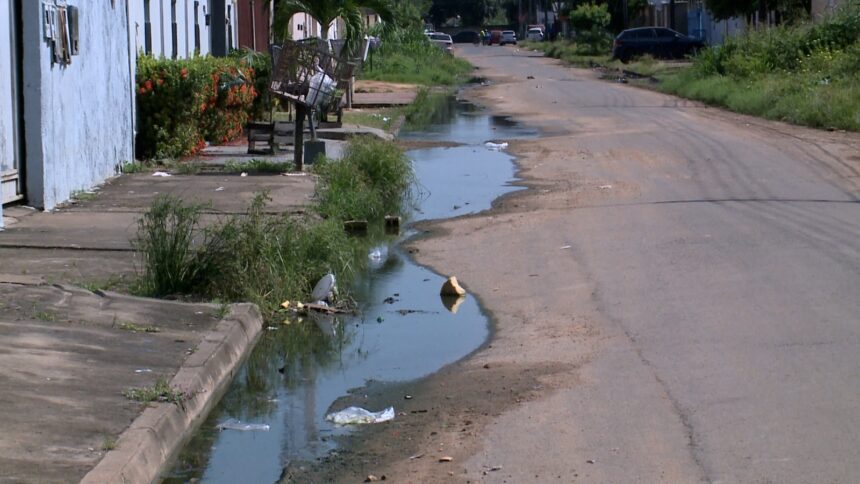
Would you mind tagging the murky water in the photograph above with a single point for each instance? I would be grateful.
(403, 331)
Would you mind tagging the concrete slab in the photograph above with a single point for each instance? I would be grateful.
(68, 354)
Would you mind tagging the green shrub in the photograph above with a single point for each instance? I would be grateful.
(590, 21)
(369, 182)
(183, 103)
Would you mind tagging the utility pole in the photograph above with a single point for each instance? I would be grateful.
(519, 17)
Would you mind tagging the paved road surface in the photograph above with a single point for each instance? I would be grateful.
(709, 299)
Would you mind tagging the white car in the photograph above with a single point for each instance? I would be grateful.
(534, 34)
(508, 37)
(442, 40)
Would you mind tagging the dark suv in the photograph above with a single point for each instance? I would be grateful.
(659, 42)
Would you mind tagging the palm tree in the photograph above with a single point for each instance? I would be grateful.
(327, 11)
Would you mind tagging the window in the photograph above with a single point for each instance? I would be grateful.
(196, 26)
(229, 28)
(174, 33)
(147, 29)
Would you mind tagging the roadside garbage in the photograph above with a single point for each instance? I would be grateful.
(161, 173)
(358, 415)
(325, 289)
(143, 370)
(495, 146)
(446, 458)
(564, 247)
(219, 189)
(378, 253)
(452, 288)
(234, 424)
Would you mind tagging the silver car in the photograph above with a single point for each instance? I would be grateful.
(508, 37)
(442, 40)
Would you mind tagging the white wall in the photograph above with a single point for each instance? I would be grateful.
(7, 133)
(303, 26)
(78, 118)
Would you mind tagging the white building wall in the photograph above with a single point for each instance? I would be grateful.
(7, 133)
(303, 26)
(78, 118)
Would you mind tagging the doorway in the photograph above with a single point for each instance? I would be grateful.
(11, 100)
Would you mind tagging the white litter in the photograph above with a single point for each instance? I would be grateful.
(161, 173)
(234, 424)
(143, 370)
(605, 187)
(243, 174)
(358, 415)
(564, 247)
(219, 189)
(495, 146)
(324, 289)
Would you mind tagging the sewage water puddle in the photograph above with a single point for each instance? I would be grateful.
(403, 330)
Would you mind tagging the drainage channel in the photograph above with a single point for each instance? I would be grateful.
(402, 332)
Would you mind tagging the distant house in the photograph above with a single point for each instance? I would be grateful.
(180, 28)
(303, 26)
(66, 113)
(254, 24)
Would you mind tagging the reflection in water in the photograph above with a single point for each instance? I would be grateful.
(401, 332)
(452, 303)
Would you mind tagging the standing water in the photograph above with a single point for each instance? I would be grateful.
(402, 332)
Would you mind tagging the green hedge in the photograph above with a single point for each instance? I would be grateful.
(183, 103)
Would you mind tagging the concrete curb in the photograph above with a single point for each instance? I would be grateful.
(157, 435)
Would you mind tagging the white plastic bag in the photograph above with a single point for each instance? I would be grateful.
(495, 146)
(358, 415)
(234, 424)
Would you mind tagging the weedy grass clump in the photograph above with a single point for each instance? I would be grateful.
(805, 74)
(372, 179)
(159, 392)
(266, 258)
(408, 56)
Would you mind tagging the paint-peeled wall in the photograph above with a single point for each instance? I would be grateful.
(7, 151)
(78, 117)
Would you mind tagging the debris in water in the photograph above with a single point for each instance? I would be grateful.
(325, 288)
(234, 424)
(452, 288)
(495, 146)
(358, 415)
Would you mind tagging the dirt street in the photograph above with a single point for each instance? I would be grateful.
(674, 300)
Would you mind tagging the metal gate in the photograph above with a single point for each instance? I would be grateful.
(11, 142)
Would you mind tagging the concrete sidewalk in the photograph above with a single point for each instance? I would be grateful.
(68, 353)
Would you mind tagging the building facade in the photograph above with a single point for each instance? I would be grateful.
(66, 114)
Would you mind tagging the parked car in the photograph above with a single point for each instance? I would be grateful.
(535, 34)
(466, 37)
(442, 40)
(495, 37)
(659, 42)
(508, 37)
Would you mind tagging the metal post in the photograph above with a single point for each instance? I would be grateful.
(299, 137)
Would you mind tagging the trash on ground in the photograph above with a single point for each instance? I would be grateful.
(243, 174)
(605, 187)
(452, 303)
(294, 174)
(219, 189)
(446, 458)
(495, 146)
(563, 247)
(286, 304)
(371, 478)
(234, 424)
(325, 289)
(452, 288)
(143, 370)
(416, 456)
(358, 415)
(161, 173)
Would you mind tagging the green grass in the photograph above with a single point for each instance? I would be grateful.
(368, 183)
(136, 328)
(257, 165)
(135, 167)
(47, 316)
(109, 443)
(159, 392)
(383, 118)
(410, 58)
(265, 258)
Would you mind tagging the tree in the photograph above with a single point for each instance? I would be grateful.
(327, 11)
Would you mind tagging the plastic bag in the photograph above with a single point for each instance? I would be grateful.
(234, 424)
(495, 146)
(358, 415)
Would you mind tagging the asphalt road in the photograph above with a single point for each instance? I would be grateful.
(699, 271)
